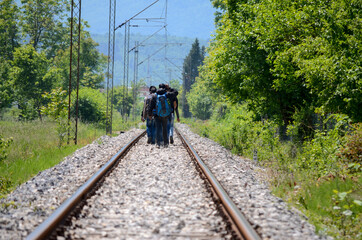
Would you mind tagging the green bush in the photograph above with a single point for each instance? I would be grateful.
(92, 106)
(5, 185)
(4, 144)
(332, 204)
(57, 110)
(346, 213)
(319, 154)
(310, 174)
(238, 131)
(352, 151)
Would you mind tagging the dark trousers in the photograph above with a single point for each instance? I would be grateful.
(151, 129)
(170, 122)
(161, 130)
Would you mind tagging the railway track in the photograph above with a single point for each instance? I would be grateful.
(149, 193)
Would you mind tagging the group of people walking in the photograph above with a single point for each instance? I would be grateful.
(159, 110)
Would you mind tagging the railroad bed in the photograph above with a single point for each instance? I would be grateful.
(154, 193)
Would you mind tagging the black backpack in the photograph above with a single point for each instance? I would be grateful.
(148, 101)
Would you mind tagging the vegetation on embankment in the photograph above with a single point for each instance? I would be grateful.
(35, 147)
(28, 147)
(281, 80)
(320, 176)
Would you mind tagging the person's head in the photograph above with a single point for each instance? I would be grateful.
(167, 87)
(153, 89)
(162, 85)
(173, 90)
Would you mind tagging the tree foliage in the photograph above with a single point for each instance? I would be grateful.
(175, 84)
(29, 77)
(9, 31)
(122, 100)
(91, 64)
(204, 97)
(190, 71)
(9, 40)
(6, 90)
(41, 22)
(92, 106)
(200, 101)
(58, 104)
(42, 63)
(289, 57)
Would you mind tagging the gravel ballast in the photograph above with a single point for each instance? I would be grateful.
(243, 180)
(154, 193)
(149, 178)
(32, 202)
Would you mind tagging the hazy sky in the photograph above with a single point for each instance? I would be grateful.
(191, 18)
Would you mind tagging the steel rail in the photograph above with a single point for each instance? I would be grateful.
(242, 225)
(44, 230)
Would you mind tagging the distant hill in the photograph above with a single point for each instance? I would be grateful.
(156, 69)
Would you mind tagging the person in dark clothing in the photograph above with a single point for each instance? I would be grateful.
(171, 119)
(161, 121)
(149, 118)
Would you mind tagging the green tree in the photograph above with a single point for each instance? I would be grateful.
(175, 84)
(9, 40)
(200, 100)
(220, 5)
(204, 97)
(189, 72)
(92, 106)
(287, 59)
(240, 69)
(122, 100)
(6, 90)
(42, 23)
(9, 32)
(316, 46)
(29, 78)
(91, 64)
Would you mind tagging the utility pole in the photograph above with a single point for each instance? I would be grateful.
(124, 71)
(135, 79)
(166, 41)
(75, 35)
(110, 68)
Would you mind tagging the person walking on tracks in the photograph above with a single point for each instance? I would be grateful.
(149, 116)
(161, 105)
(174, 106)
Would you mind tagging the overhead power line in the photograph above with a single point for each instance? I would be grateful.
(137, 14)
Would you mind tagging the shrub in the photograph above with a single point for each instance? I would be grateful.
(352, 151)
(92, 106)
(4, 144)
(5, 185)
(346, 213)
(57, 111)
(305, 172)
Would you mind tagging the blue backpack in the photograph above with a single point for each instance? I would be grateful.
(163, 108)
